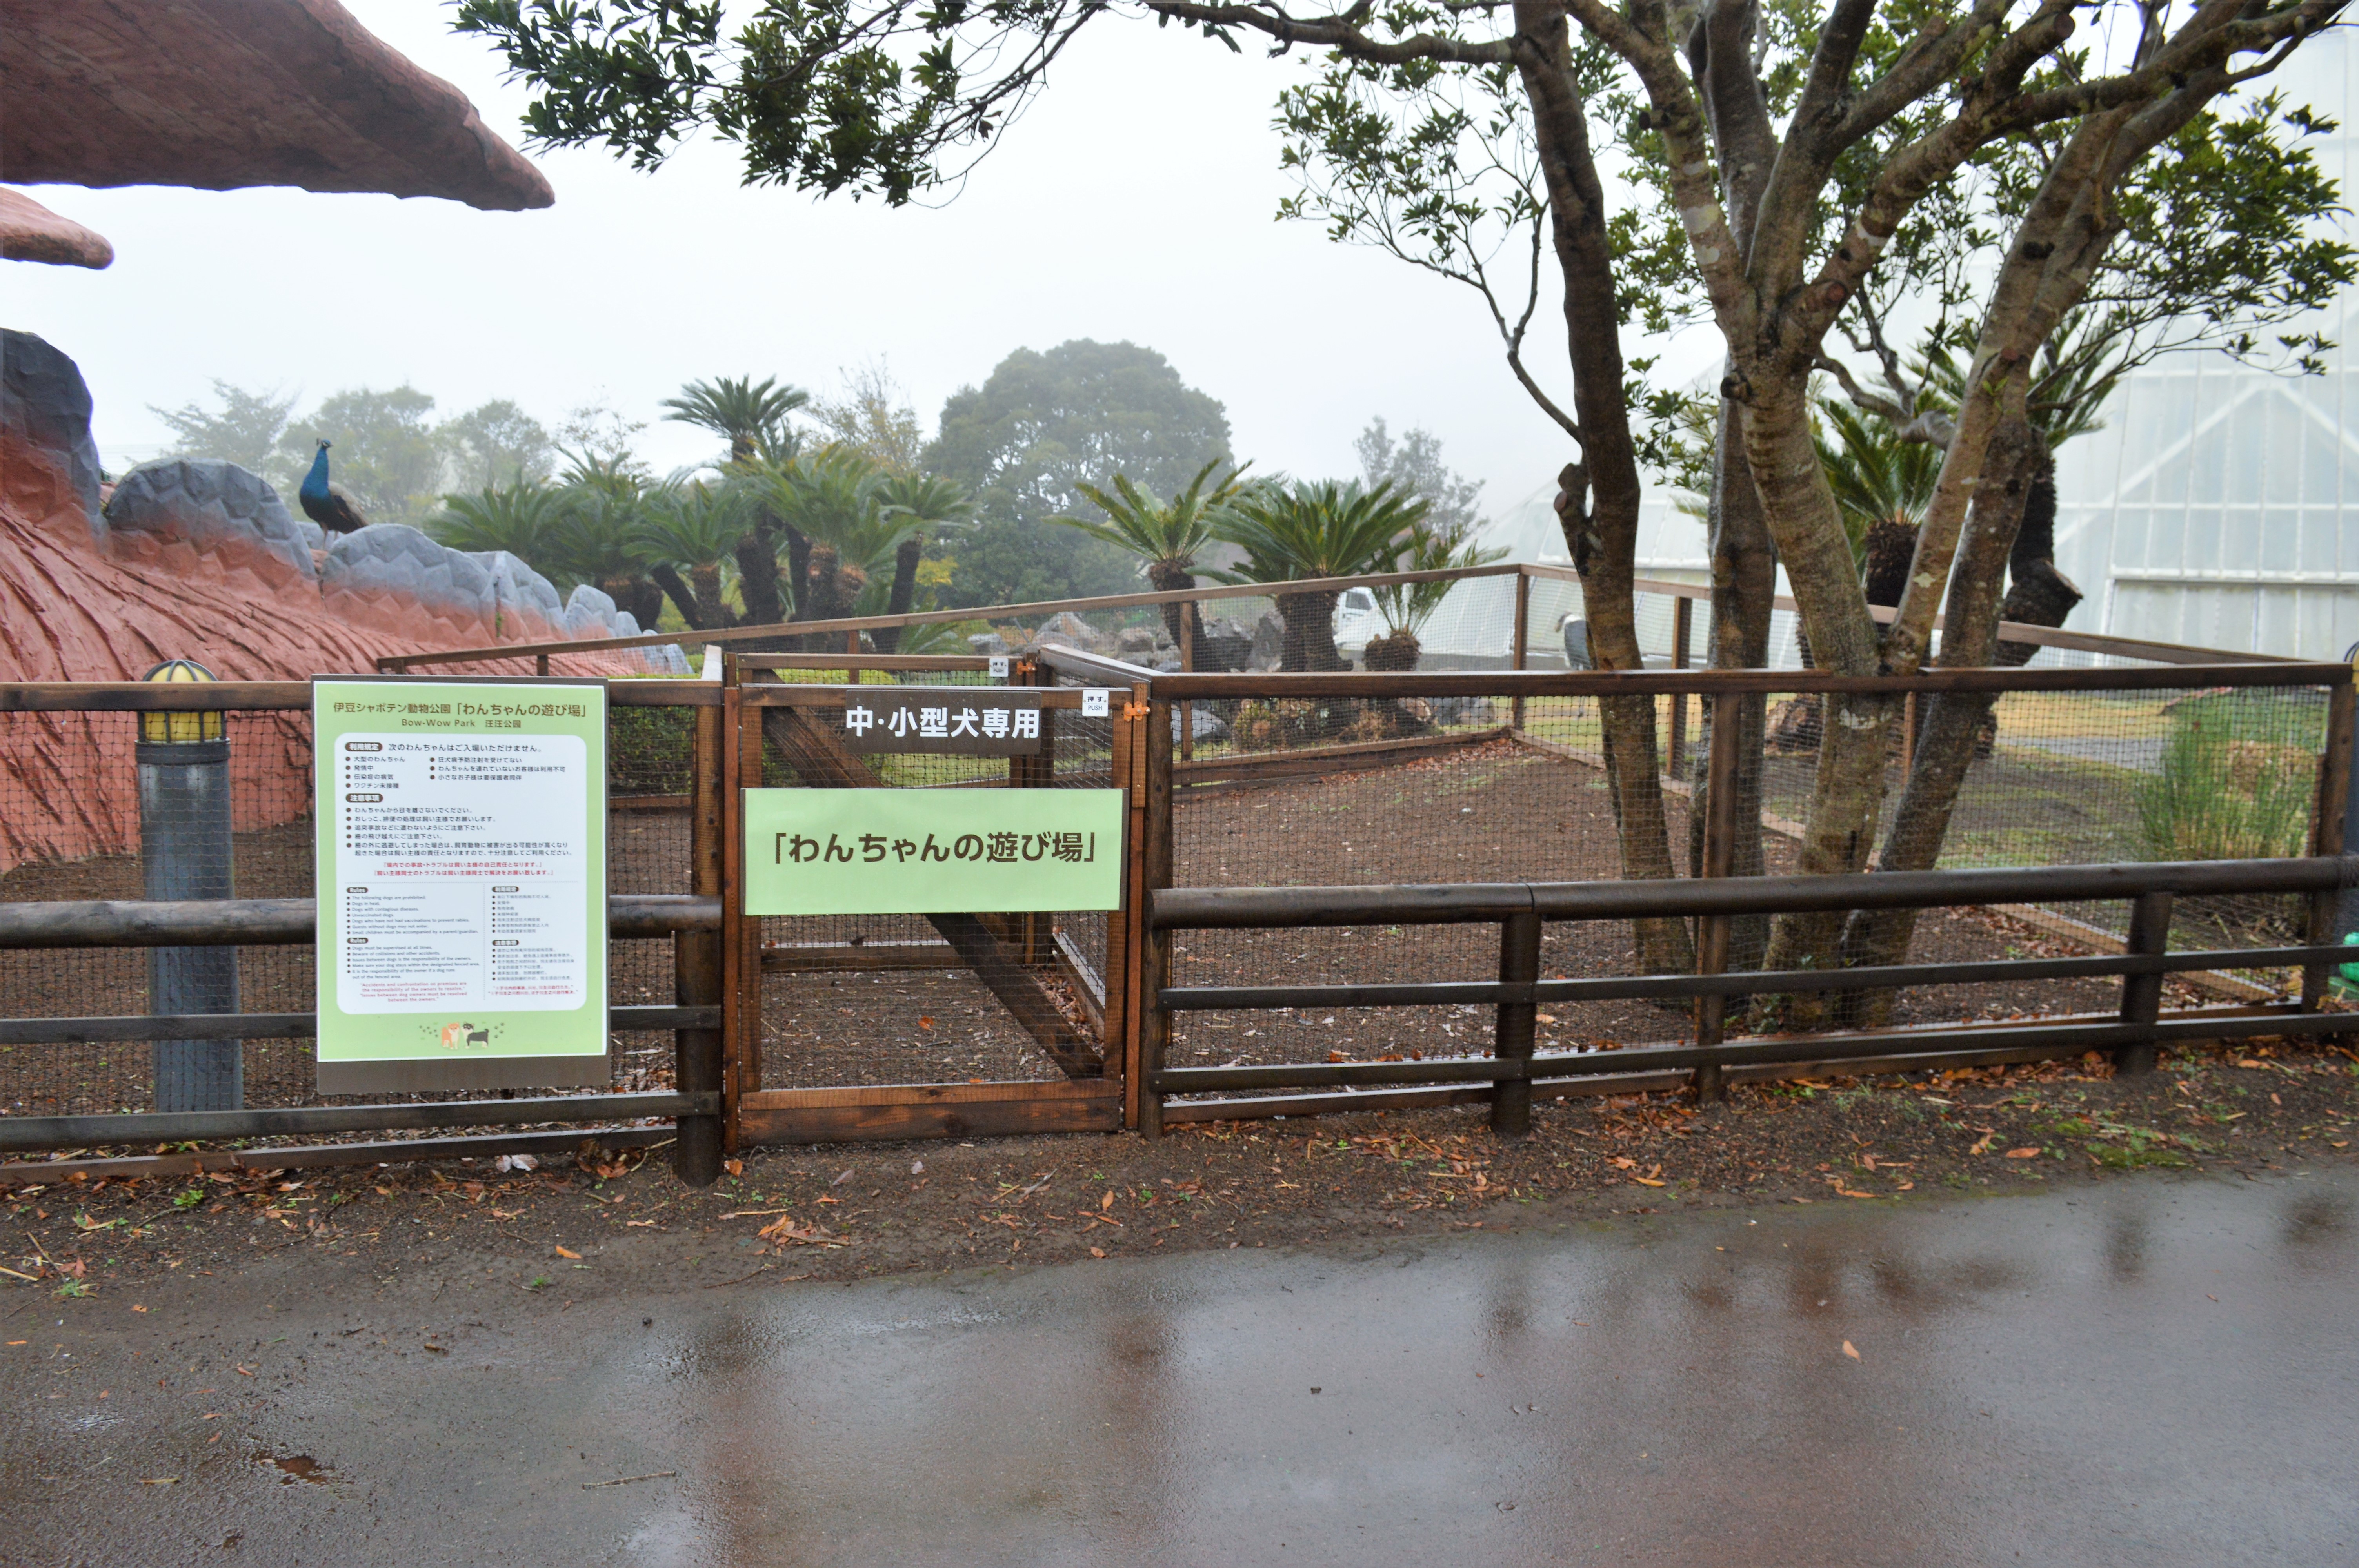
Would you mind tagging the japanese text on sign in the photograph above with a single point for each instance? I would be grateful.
(988, 723)
(919, 851)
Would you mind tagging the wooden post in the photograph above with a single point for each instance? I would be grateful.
(1682, 631)
(1121, 1041)
(1188, 661)
(749, 776)
(698, 978)
(1153, 970)
(737, 977)
(1719, 857)
(2327, 828)
(1521, 646)
(1519, 964)
(2142, 994)
(540, 664)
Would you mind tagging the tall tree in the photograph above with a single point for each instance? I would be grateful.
(243, 431)
(1289, 533)
(1043, 425)
(1166, 535)
(496, 443)
(752, 418)
(385, 451)
(1414, 463)
(931, 505)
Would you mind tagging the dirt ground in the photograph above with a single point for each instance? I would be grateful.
(571, 1230)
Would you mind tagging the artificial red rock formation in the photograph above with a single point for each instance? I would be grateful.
(217, 94)
(31, 232)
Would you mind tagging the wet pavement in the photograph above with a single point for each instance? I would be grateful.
(2157, 1370)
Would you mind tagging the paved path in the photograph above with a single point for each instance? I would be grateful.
(2155, 1371)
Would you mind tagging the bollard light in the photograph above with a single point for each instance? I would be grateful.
(185, 851)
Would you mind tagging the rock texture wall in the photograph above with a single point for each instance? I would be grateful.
(201, 560)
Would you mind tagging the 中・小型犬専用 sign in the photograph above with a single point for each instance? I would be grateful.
(912, 852)
(978, 723)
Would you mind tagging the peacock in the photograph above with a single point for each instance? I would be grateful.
(329, 505)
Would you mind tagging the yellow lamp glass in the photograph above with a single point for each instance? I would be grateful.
(181, 725)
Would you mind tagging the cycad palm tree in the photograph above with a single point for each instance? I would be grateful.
(1407, 606)
(1166, 535)
(835, 499)
(516, 517)
(694, 523)
(598, 535)
(1315, 531)
(931, 504)
(753, 417)
(1881, 488)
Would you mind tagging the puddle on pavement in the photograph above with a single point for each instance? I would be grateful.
(294, 1467)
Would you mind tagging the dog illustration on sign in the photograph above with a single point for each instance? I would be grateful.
(458, 1035)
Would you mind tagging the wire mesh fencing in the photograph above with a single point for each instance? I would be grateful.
(2022, 778)
(946, 997)
(91, 810)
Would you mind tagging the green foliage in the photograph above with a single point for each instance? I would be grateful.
(836, 498)
(750, 415)
(520, 518)
(1877, 477)
(2219, 794)
(386, 452)
(1318, 530)
(244, 430)
(819, 94)
(1166, 535)
(1040, 427)
(1407, 606)
(494, 443)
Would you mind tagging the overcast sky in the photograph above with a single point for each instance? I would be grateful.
(1134, 201)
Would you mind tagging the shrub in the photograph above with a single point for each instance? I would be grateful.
(2218, 797)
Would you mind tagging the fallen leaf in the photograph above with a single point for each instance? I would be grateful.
(925, 1023)
(1851, 1350)
(245, 1371)
(1648, 1182)
(438, 1350)
(161, 1481)
(2023, 1153)
(1983, 1144)
(1623, 1162)
(734, 1167)
(1106, 1201)
(566, 1252)
(1097, 1252)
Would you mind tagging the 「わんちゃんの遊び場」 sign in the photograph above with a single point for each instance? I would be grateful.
(925, 851)
(461, 879)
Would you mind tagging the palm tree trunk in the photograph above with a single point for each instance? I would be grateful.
(705, 578)
(682, 597)
(1169, 576)
(904, 591)
(1309, 644)
(757, 574)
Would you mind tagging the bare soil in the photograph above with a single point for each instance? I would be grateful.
(597, 1223)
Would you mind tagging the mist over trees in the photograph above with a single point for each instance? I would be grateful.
(1041, 426)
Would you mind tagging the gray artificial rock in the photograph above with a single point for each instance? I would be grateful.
(1223, 645)
(394, 557)
(590, 613)
(211, 504)
(986, 645)
(1464, 710)
(314, 537)
(1071, 631)
(1134, 640)
(668, 660)
(625, 624)
(1207, 724)
(520, 592)
(1268, 640)
(45, 405)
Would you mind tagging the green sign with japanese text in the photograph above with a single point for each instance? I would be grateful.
(921, 851)
(461, 878)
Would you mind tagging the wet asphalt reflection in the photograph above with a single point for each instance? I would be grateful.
(2154, 1371)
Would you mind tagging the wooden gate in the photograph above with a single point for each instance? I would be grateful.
(947, 1024)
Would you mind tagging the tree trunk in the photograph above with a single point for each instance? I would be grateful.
(1744, 594)
(903, 593)
(1856, 728)
(1170, 577)
(757, 574)
(1601, 521)
(705, 579)
(682, 597)
(1950, 721)
(643, 599)
(1395, 653)
(1309, 644)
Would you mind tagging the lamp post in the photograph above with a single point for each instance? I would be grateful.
(185, 852)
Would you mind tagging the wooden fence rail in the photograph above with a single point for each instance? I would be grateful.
(1521, 909)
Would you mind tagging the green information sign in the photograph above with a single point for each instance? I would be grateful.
(924, 852)
(462, 879)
